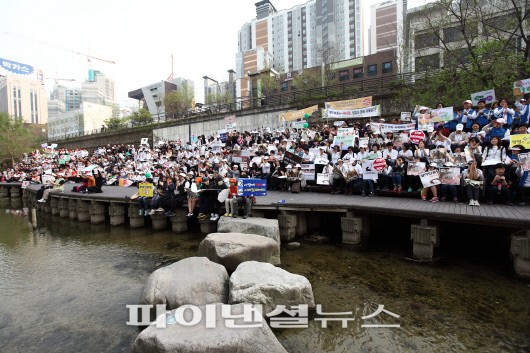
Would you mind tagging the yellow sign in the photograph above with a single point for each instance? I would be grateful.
(297, 114)
(521, 139)
(145, 189)
(357, 103)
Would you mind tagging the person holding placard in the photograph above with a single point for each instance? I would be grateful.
(433, 188)
(473, 182)
(497, 186)
(493, 154)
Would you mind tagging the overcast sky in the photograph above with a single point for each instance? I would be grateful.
(139, 36)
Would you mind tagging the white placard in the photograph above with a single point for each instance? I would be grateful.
(322, 179)
(430, 178)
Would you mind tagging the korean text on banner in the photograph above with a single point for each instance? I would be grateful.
(251, 187)
(145, 189)
(488, 95)
(367, 112)
(430, 178)
(291, 158)
(322, 179)
(357, 103)
(297, 114)
(521, 87)
(524, 159)
(521, 139)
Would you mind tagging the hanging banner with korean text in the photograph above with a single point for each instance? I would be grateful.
(297, 114)
(366, 112)
(362, 102)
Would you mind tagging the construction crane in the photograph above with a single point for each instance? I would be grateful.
(61, 79)
(88, 56)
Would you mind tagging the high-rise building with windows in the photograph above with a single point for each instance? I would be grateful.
(304, 36)
(23, 97)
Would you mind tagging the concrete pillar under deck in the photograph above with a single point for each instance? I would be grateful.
(54, 203)
(64, 210)
(520, 252)
(83, 210)
(158, 221)
(117, 213)
(72, 208)
(135, 220)
(97, 212)
(179, 222)
(287, 224)
(208, 227)
(301, 224)
(14, 192)
(4, 191)
(354, 229)
(425, 238)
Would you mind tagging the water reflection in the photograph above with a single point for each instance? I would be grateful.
(64, 288)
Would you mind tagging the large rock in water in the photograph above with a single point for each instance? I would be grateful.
(262, 283)
(195, 280)
(176, 338)
(266, 227)
(231, 249)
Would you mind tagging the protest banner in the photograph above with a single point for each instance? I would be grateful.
(297, 114)
(524, 159)
(251, 187)
(144, 141)
(400, 139)
(442, 114)
(438, 155)
(321, 160)
(61, 161)
(25, 184)
(405, 116)
(338, 123)
(370, 175)
(223, 135)
(520, 139)
(363, 142)
(355, 113)
(309, 171)
(345, 140)
(231, 119)
(145, 189)
(424, 120)
(357, 103)
(291, 158)
(384, 128)
(379, 164)
(521, 87)
(450, 175)
(53, 146)
(322, 179)
(488, 95)
(298, 124)
(416, 136)
(231, 126)
(430, 178)
(459, 159)
(416, 168)
(44, 145)
(346, 131)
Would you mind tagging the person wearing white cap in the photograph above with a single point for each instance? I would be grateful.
(458, 137)
(495, 128)
(468, 115)
(504, 112)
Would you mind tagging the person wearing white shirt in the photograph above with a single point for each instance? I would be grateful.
(361, 155)
(390, 154)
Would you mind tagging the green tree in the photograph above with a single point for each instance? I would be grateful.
(481, 45)
(116, 123)
(141, 117)
(269, 84)
(178, 101)
(15, 138)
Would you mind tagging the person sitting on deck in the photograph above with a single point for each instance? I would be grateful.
(497, 186)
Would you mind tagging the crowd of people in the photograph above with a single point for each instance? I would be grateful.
(476, 141)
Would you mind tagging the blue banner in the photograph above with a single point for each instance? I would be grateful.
(251, 187)
(17, 68)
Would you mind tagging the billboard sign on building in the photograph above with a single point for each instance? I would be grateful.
(13, 67)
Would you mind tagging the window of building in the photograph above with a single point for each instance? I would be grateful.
(425, 40)
(344, 75)
(386, 67)
(372, 70)
(453, 34)
(427, 62)
(358, 72)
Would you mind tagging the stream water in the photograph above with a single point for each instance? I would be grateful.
(64, 287)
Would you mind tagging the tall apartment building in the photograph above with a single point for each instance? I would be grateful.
(383, 26)
(98, 88)
(307, 35)
(23, 97)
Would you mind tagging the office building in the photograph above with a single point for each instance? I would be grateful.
(88, 118)
(23, 97)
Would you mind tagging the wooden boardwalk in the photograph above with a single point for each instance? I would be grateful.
(516, 217)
